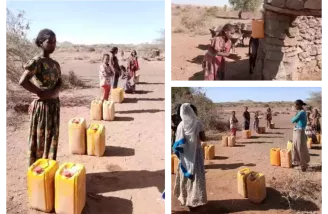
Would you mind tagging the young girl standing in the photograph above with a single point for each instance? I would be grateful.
(105, 76)
(42, 77)
(233, 123)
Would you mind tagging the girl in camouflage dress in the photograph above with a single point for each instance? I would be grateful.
(42, 77)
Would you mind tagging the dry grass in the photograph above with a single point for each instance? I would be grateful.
(300, 187)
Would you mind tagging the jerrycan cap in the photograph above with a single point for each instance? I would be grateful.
(38, 170)
(94, 127)
(76, 120)
(69, 172)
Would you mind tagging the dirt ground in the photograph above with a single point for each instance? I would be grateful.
(129, 178)
(221, 173)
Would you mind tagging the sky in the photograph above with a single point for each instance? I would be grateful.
(95, 22)
(264, 94)
(202, 2)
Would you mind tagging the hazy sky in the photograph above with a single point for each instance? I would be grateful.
(202, 2)
(258, 93)
(95, 22)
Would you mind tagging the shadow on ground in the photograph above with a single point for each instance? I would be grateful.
(118, 151)
(104, 205)
(274, 201)
(140, 111)
(150, 83)
(103, 182)
(123, 118)
(135, 100)
(228, 166)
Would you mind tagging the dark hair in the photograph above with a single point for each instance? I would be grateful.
(134, 51)
(105, 55)
(226, 27)
(43, 36)
(113, 49)
(300, 103)
(122, 67)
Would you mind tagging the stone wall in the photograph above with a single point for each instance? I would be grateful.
(291, 49)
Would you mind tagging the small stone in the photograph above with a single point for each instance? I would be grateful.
(295, 4)
(293, 32)
(290, 41)
(304, 55)
(313, 4)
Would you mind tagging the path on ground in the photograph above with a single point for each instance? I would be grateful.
(129, 178)
(254, 153)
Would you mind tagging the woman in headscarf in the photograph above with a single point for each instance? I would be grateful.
(247, 119)
(256, 122)
(300, 152)
(316, 121)
(214, 59)
(115, 66)
(133, 65)
(190, 185)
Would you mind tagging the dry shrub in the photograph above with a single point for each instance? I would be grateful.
(71, 81)
(178, 30)
(299, 188)
(194, 22)
(91, 49)
(212, 11)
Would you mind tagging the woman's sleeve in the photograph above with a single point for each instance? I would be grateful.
(58, 69)
(32, 67)
(297, 117)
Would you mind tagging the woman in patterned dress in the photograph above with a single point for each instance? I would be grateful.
(233, 123)
(256, 122)
(190, 185)
(269, 117)
(214, 59)
(105, 76)
(133, 65)
(316, 121)
(42, 77)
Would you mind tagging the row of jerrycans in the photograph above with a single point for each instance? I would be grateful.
(282, 157)
(105, 109)
(52, 187)
(83, 140)
(251, 185)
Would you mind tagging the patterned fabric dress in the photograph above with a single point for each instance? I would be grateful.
(215, 65)
(192, 192)
(45, 115)
(133, 66)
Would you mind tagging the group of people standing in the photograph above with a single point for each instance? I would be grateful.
(247, 121)
(190, 182)
(110, 71)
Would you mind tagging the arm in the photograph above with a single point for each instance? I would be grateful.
(31, 68)
(296, 118)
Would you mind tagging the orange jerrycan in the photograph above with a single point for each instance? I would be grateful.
(117, 95)
(258, 28)
(261, 130)
(318, 138)
(70, 183)
(108, 110)
(275, 157)
(256, 187)
(40, 184)
(76, 136)
(241, 181)
(272, 126)
(290, 145)
(224, 141)
(96, 138)
(96, 110)
(247, 134)
(174, 163)
(309, 142)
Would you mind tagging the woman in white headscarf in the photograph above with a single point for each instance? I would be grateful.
(190, 185)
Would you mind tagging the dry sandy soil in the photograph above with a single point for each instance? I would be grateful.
(221, 173)
(129, 178)
(189, 46)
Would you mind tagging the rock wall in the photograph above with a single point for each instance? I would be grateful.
(291, 49)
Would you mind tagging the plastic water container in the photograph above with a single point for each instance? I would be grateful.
(209, 152)
(40, 184)
(96, 137)
(256, 187)
(285, 158)
(258, 28)
(70, 193)
(231, 141)
(96, 110)
(275, 157)
(77, 136)
(108, 110)
(290, 145)
(224, 141)
(241, 181)
(117, 95)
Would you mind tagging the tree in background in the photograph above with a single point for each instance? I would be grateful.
(245, 5)
(315, 100)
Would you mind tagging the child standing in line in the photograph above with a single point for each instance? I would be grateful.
(233, 123)
(256, 122)
(105, 76)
